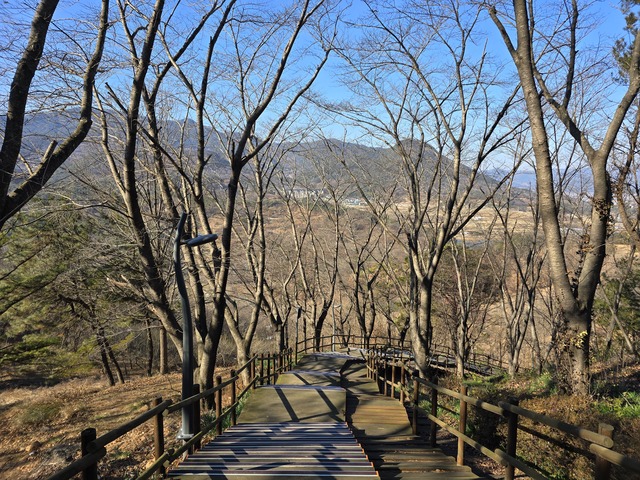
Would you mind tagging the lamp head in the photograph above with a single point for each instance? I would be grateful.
(200, 240)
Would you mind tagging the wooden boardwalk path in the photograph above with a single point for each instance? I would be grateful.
(325, 419)
(382, 427)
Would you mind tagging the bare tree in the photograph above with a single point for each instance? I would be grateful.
(366, 247)
(314, 215)
(261, 108)
(124, 168)
(474, 293)
(427, 116)
(618, 294)
(542, 85)
(39, 172)
(517, 266)
(236, 118)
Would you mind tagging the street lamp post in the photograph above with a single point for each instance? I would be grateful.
(187, 329)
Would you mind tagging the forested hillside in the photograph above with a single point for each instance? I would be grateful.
(359, 163)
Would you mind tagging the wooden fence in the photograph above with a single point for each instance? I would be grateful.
(439, 357)
(388, 362)
(263, 369)
(394, 375)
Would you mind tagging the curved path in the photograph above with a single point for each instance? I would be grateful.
(325, 419)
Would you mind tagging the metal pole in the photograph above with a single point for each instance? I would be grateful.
(299, 314)
(187, 336)
(187, 329)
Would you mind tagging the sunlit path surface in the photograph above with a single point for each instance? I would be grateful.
(325, 419)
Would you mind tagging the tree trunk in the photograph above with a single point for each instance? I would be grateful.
(207, 363)
(461, 347)
(280, 333)
(163, 361)
(537, 359)
(421, 328)
(105, 365)
(112, 357)
(243, 354)
(577, 348)
(150, 352)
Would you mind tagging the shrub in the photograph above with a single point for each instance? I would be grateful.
(625, 406)
(38, 413)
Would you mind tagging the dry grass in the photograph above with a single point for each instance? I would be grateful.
(40, 427)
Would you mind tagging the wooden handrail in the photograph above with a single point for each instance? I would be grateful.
(79, 465)
(96, 448)
(109, 437)
(582, 433)
(599, 444)
(616, 458)
(195, 398)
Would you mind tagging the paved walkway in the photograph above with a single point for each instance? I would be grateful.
(325, 419)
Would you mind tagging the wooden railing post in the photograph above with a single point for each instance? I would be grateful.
(372, 355)
(219, 405)
(512, 438)
(158, 434)
(252, 373)
(385, 380)
(372, 360)
(393, 380)
(196, 417)
(269, 357)
(234, 414)
(376, 372)
(276, 366)
(262, 369)
(87, 436)
(603, 467)
(462, 427)
(416, 402)
(403, 383)
(433, 441)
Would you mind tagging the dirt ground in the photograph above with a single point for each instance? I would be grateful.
(40, 427)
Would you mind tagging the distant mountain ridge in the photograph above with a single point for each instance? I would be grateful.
(374, 167)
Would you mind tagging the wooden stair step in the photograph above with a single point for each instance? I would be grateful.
(275, 475)
(396, 456)
(259, 460)
(449, 466)
(389, 475)
(319, 465)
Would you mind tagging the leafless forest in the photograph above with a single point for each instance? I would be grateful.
(460, 174)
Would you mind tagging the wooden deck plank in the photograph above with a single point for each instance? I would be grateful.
(297, 429)
(382, 426)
